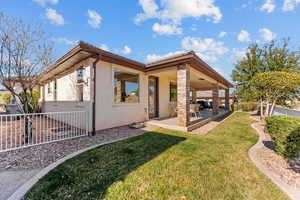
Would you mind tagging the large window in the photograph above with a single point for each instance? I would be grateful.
(126, 87)
(173, 92)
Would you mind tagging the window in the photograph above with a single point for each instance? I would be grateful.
(55, 90)
(173, 92)
(126, 87)
(49, 88)
(80, 73)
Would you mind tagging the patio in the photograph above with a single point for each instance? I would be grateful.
(206, 116)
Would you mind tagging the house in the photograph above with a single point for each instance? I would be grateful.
(119, 91)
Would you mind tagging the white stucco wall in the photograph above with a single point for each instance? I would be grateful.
(66, 87)
(164, 97)
(110, 114)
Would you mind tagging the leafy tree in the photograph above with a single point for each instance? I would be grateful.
(273, 56)
(270, 87)
(6, 98)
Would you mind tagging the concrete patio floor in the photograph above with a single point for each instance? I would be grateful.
(195, 122)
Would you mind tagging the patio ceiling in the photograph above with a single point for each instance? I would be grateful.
(198, 81)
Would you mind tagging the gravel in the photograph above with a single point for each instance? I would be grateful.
(42, 155)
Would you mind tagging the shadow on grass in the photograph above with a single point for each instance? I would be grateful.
(89, 175)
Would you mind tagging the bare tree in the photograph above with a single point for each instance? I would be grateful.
(24, 53)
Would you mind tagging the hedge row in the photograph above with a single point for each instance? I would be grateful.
(285, 133)
(245, 106)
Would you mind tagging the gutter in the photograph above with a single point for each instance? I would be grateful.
(94, 94)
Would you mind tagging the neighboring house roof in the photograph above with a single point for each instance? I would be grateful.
(84, 50)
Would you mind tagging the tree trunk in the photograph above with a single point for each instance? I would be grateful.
(267, 108)
(272, 108)
(261, 109)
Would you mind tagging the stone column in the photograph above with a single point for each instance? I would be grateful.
(227, 106)
(183, 94)
(215, 102)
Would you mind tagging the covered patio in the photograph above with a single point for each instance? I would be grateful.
(190, 76)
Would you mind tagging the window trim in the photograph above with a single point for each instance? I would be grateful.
(82, 69)
(113, 68)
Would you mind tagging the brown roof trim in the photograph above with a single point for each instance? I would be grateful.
(111, 57)
(183, 58)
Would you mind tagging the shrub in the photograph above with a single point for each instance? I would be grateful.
(6, 98)
(285, 133)
(248, 106)
(234, 107)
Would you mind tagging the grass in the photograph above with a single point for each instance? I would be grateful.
(165, 165)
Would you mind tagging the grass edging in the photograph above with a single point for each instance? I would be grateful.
(21, 191)
(290, 191)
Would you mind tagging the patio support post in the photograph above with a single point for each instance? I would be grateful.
(215, 102)
(227, 106)
(194, 95)
(183, 95)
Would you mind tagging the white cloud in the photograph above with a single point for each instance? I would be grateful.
(66, 41)
(166, 29)
(173, 11)
(222, 34)
(244, 36)
(104, 47)
(126, 50)
(208, 49)
(94, 19)
(238, 54)
(290, 5)
(45, 2)
(269, 6)
(267, 34)
(54, 17)
(155, 57)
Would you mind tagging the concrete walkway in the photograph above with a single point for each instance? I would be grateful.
(292, 192)
(12, 180)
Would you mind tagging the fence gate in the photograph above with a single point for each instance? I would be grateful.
(23, 130)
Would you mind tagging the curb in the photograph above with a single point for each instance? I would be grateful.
(292, 192)
(22, 190)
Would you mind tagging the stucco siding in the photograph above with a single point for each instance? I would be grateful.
(110, 114)
(164, 97)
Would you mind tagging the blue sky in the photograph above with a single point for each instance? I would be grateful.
(146, 30)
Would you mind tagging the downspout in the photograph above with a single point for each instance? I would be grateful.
(94, 94)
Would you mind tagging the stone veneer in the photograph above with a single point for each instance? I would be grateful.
(215, 99)
(227, 107)
(183, 92)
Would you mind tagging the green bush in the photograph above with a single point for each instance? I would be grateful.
(248, 106)
(6, 98)
(285, 133)
(234, 107)
(245, 106)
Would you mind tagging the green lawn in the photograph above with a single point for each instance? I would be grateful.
(165, 165)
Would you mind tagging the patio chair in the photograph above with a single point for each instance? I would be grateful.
(194, 110)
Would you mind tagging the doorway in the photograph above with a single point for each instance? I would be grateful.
(153, 97)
